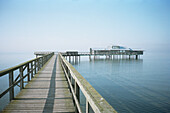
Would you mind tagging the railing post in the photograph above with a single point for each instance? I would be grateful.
(21, 78)
(77, 93)
(28, 71)
(87, 106)
(71, 80)
(66, 70)
(31, 69)
(38, 64)
(35, 66)
(42, 60)
(11, 91)
(45, 59)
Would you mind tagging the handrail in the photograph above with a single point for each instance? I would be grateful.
(93, 98)
(32, 66)
(3, 72)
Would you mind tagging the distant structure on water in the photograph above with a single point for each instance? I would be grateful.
(117, 51)
(111, 52)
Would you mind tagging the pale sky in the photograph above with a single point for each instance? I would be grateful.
(59, 25)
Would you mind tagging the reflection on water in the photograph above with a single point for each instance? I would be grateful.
(130, 85)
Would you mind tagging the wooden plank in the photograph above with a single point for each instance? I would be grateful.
(47, 92)
(48, 78)
(95, 100)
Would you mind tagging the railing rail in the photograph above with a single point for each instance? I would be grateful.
(77, 83)
(32, 66)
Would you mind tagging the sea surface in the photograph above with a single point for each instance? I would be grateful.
(130, 86)
(8, 60)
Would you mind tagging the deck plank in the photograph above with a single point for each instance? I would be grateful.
(48, 91)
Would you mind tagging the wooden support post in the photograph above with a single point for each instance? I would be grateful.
(69, 58)
(72, 58)
(11, 91)
(42, 61)
(21, 78)
(69, 77)
(66, 70)
(87, 106)
(35, 67)
(28, 71)
(136, 57)
(71, 80)
(75, 59)
(31, 70)
(77, 93)
(38, 64)
(45, 60)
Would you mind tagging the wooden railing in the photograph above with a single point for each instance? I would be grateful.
(77, 83)
(27, 69)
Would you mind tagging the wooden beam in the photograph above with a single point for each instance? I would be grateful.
(21, 77)
(11, 91)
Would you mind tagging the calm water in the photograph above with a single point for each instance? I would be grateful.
(8, 60)
(131, 86)
(137, 86)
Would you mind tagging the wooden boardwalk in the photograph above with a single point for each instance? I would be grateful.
(47, 92)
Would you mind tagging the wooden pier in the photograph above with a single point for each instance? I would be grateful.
(48, 91)
(109, 54)
(54, 85)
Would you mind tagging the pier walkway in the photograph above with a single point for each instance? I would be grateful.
(47, 92)
(53, 85)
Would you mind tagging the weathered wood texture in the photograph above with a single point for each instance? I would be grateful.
(93, 98)
(47, 92)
